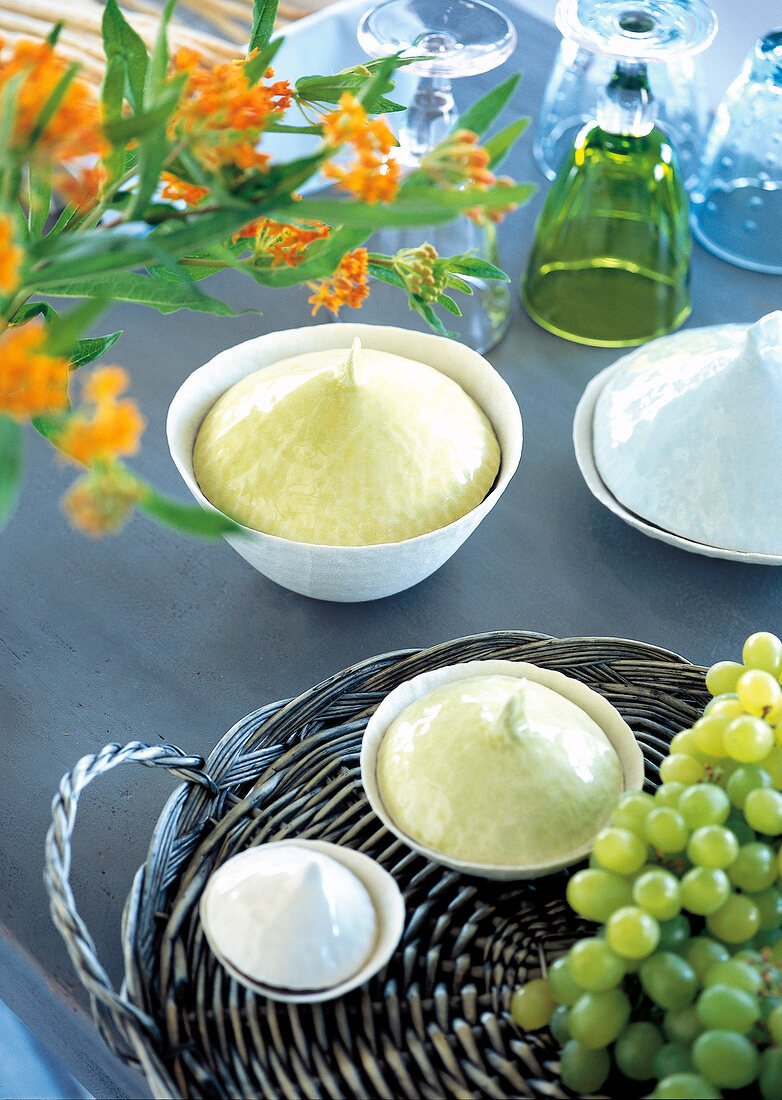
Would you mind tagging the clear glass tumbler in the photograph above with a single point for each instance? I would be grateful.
(736, 204)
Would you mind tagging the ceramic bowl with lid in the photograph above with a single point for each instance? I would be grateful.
(349, 573)
(685, 435)
(515, 790)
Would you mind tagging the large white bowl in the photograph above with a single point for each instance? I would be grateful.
(598, 708)
(348, 574)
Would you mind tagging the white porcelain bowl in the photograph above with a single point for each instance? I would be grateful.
(595, 706)
(348, 573)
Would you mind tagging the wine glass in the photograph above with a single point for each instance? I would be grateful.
(736, 204)
(461, 38)
(611, 257)
(584, 66)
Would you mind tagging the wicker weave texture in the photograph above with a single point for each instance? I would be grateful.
(435, 1022)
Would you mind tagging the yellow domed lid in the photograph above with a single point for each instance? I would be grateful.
(371, 449)
(497, 770)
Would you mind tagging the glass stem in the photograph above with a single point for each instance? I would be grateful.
(627, 105)
(429, 118)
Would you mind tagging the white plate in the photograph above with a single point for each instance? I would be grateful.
(583, 443)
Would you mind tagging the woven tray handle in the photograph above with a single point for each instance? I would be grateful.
(125, 1017)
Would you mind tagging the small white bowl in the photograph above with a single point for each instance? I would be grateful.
(599, 709)
(348, 574)
(288, 944)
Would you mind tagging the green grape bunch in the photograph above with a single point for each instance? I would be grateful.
(679, 990)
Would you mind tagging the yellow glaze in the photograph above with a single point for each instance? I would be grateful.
(370, 448)
(498, 770)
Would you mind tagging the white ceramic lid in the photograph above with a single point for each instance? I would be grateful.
(686, 434)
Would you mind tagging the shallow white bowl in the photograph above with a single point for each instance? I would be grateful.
(386, 898)
(599, 709)
(348, 574)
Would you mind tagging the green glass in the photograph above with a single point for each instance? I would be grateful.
(611, 259)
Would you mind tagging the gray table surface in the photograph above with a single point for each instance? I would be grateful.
(151, 636)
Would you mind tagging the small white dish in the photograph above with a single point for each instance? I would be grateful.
(679, 439)
(302, 921)
(594, 705)
(349, 573)
(583, 429)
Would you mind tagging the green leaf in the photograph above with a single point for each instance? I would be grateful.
(112, 98)
(10, 466)
(481, 114)
(86, 351)
(63, 331)
(121, 41)
(122, 129)
(386, 274)
(48, 426)
(429, 315)
(34, 309)
(478, 268)
(158, 61)
(54, 34)
(264, 13)
(501, 143)
(455, 283)
(164, 296)
(255, 67)
(448, 303)
(39, 186)
(190, 518)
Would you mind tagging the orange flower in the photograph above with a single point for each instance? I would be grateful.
(112, 427)
(74, 128)
(221, 116)
(177, 189)
(101, 501)
(286, 244)
(32, 383)
(458, 160)
(10, 256)
(373, 176)
(347, 286)
(83, 188)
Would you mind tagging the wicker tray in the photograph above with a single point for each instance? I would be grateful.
(435, 1021)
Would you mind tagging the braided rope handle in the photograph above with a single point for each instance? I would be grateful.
(126, 1017)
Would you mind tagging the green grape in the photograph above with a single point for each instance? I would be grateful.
(725, 1058)
(581, 1069)
(619, 850)
(630, 811)
(705, 804)
(532, 1004)
(773, 764)
(736, 921)
(769, 905)
(594, 966)
(748, 739)
(774, 1024)
(669, 794)
(723, 677)
(632, 933)
(763, 650)
(759, 692)
(712, 846)
(734, 972)
(710, 735)
(657, 891)
(685, 1086)
(702, 953)
(669, 980)
(684, 743)
(673, 1058)
(596, 893)
(725, 1007)
(564, 989)
(666, 830)
(674, 933)
(682, 1025)
(597, 1019)
(763, 811)
(558, 1024)
(704, 890)
(736, 822)
(683, 768)
(754, 868)
(770, 1073)
(747, 778)
(635, 1050)
(726, 705)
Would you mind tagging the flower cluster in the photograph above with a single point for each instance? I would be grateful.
(32, 382)
(461, 159)
(105, 426)
(373, 175)
(346, 287)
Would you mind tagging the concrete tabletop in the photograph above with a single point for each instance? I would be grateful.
(153, 636)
